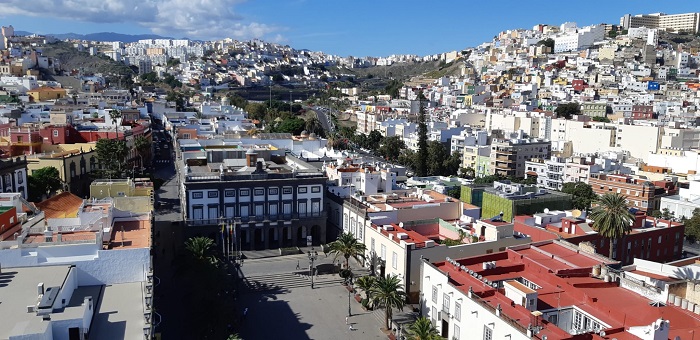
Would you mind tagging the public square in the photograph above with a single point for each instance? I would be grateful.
(282, 305)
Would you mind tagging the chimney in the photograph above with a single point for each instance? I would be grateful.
(251, 158)
(259, 167)
(40, 288)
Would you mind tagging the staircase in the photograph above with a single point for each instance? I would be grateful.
(29, 205)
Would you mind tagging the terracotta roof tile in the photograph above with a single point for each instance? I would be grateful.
(62, 205)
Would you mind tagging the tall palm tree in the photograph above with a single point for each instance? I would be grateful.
(388, 293)
(422, 329)
(200, 248)
(611, 217)
(114, 115)
(142, 146)
(347, 246)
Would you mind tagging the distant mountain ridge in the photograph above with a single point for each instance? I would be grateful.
(101, 36)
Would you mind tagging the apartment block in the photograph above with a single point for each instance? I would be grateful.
(508, 157)
(688, 22)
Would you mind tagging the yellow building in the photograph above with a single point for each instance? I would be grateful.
(46, 93)
(74, 167)
(134, 195)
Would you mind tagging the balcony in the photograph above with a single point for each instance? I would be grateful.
(502, 166)
(505, 159)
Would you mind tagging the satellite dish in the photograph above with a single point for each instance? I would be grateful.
(546, 210)
(576, 213)
(602, 333)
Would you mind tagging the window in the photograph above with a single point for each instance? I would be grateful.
(435, 293)
(383, 253)
(458, 311)
(455, 334)
(259, 192)
(302, 190)
(273, 191)
(316, 188)
(394, 260)
(287, 190)
(372, 245)
(213, 194)
(445, 303)
(55, 133)
(245, 192)
(197, 194)
(230, 193)
(488, 333)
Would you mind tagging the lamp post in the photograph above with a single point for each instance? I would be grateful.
(349, 294)
(313, 255)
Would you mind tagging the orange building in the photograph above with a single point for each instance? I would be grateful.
(46, 93)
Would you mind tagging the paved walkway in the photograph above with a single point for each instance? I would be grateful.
(282, 305)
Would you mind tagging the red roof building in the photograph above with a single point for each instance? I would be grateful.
(547, 290)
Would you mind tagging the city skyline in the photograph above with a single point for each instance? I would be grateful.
(361, 30)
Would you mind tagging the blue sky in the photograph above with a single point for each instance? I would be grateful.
(358, 28)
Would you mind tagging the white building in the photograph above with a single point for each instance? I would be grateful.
(683, 204)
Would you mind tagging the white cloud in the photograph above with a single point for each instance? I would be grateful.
(199, 19)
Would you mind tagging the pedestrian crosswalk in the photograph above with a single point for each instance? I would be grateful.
(287, 281)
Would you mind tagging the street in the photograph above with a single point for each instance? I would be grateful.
(282, 305)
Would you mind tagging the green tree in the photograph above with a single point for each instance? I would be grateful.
(667, 214)
(567, 110)
(347, 246)
(422, 329)
(454, 192)
(393, 88)
(487, 179)
(313, 125)
(611, 218)
(582, 194)
(111, 154)
(692, 226)
(43, 182)
(549, 42)
(422, 154)
(291, 125)
(388, 293)
(437, 154)
(149, 77)
(374, 140)
(256, 110)
(391, 148)
(200, 248)
(601, 119)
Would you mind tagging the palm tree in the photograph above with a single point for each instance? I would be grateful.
(200, 248)
(347, 246)
(142, 146)
(114, 115)
(388, 293)
(366, 283)
(422, 329)
(611, 218)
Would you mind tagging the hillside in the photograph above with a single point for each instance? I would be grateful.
(71, 59)
(405, 71)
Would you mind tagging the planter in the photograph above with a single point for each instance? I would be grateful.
(358, 298)
(349, 288)
(289, 251)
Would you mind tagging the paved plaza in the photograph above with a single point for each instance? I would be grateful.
(282, 305)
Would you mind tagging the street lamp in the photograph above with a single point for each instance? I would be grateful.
(349, 285)
(313, 255)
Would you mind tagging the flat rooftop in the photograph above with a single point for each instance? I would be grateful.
(18, 289)
(120, 313)
(131, 234)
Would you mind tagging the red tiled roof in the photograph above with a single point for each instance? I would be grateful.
(62, 205)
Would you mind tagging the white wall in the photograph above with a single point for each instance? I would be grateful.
(94, 267)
